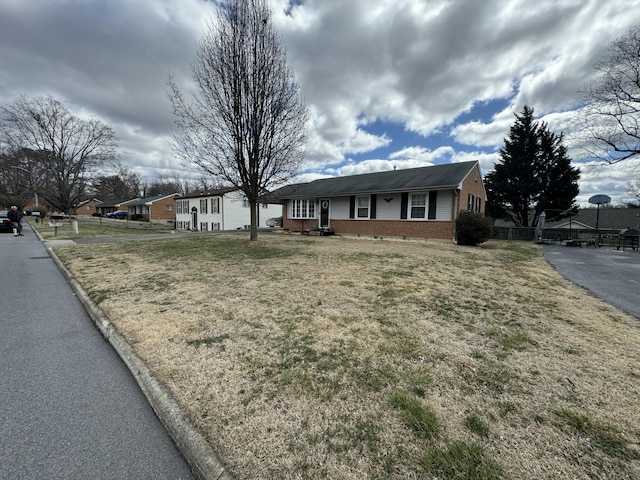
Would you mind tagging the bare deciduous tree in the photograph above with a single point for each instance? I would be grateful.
(246, 125)
(122, 184)
(66, 147)
(611, 115)
(18, 177)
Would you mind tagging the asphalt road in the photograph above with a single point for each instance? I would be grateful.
(70, 409)
(610, 274)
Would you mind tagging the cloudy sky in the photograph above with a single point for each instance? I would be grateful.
(389, 83)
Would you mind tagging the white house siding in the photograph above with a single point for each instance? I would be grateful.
(388, 210)
(234, 214)
(237, 214)
(339, 208)
(443, 205)
(391, 210)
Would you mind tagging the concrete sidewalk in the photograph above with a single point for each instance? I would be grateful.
(70, 406)
(610, 274)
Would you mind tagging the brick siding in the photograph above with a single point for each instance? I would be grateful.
(440, 229)
(383, 228)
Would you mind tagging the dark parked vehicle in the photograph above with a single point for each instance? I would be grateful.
(5, 223)
(274, 222)
(118, 214)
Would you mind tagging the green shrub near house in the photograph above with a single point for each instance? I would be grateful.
(473, 228)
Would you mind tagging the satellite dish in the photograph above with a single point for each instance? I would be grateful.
(600, 199)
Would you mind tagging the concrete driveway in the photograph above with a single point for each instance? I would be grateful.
(610, 274)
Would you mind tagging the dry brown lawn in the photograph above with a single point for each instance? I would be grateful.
(345, 358)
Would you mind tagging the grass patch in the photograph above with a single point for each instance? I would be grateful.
(207, 341)
(461, 460)
(508, 342)
(507, 408)
(94, 228)
(217, 247)
(605, 437)
(353, 434)
(492, 376)
(416, 415)
(99, 296)
(476, 425)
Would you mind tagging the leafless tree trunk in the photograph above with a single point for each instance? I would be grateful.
(246, 125)
(611, 115)
(66, 148)
(633, 188)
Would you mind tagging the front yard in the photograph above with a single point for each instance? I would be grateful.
(349, 358)
(93, 227)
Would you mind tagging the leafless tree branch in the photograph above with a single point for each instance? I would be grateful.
(64, 148)
(610, 118)
(246, 126)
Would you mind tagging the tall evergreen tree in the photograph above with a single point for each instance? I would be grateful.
(533, 175)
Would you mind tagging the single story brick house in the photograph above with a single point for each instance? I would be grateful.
(220, 209)
(159, 208)
(417, 202)
(88, 207)
(111, 205)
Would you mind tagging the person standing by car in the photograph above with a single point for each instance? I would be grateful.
(15, 217)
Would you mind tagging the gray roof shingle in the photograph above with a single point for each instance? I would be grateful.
(436, 177)
(147, 200)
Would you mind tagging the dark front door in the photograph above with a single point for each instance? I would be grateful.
(324, 213)
(194, 219)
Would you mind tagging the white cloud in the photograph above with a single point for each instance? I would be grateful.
(612, 180)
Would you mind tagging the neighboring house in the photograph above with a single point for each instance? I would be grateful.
(159, 208)
(88, 207)
(585, 224)
(222, 209)
(608, 218)
(109, 206)
(588, 218)
(417, 202)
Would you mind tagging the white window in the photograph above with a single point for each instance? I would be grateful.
(363, 207)
(478, 204)
(215, 205)
(169, 208)
(215, 226)
(204, 226)
(245, 203)
(203, 205)
(304, 208)
(419, 205)
(470, 203)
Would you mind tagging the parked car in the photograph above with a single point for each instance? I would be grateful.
(5, 224)
(274, 222)
(118, 214)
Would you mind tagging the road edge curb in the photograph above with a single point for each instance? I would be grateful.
(203, 460)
